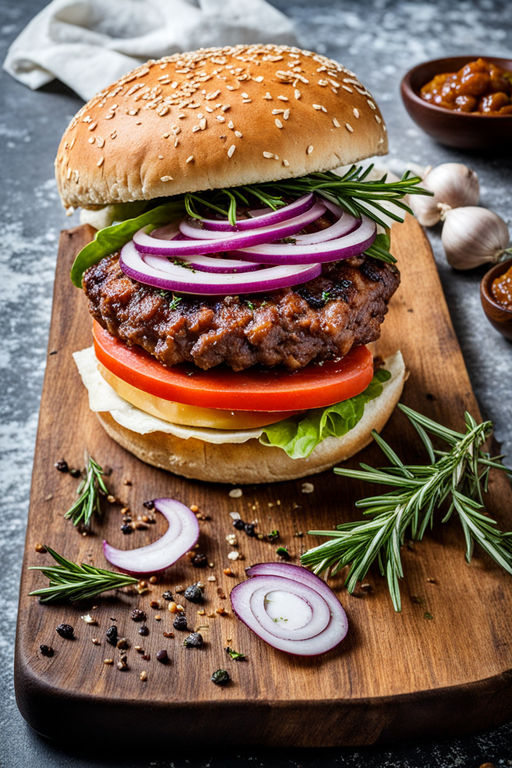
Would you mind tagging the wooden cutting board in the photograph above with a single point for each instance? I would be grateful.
(442, 666)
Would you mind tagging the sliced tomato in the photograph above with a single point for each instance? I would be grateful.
(314, 386)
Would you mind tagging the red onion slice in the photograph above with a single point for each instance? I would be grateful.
(173, 277)
(343, 247)
(306, 616)
(344, 224)
(298, 602)
(181, 536)
(146, 243)
(205, 263)
(261, 217)
(193, 228)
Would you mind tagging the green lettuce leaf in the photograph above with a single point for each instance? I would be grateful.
(299, 436)
(110, 239)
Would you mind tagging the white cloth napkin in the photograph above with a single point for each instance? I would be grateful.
(88, 44)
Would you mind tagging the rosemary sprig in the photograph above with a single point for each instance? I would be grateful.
(456, 476)
(353, 191)
(88, 492)
(70, 581)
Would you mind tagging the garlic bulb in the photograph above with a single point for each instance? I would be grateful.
(472, 236)
(453, 185)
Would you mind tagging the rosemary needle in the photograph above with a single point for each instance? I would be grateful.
(70, 581)
(456, 477)
(88, 492)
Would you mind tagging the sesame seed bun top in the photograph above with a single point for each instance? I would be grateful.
(217, 117)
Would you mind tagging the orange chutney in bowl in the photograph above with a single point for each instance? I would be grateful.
(479, 86)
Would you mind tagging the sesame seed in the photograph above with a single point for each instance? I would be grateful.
(166, 178)
(346, 88)
(100, 162)
(208, 109)
(231, 125)
(92, 126)
(268, 96)
(309, 149)
(283, 98)
(370, 104)
(195, 129)
(231, 150)
(245, 95)
(286, 163)
(356, 112)
(202, 123)
(160, 157)
(91, 140)
(349, 128)
(297, 94)
(377, 119)
(278, 123)
(221, 118)
(286, 114)
(277, 111)
(317, 106)
(258, 79)
(336, 123)
(165, 135)
(190, 159)
(238, 134)
(268, 155)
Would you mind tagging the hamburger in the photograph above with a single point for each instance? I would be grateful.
(237, 275)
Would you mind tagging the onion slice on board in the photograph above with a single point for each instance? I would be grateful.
(290, 608)
(181, 536)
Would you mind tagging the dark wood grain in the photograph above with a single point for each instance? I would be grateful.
(396, 676)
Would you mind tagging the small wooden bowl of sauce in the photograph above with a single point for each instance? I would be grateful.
(496, 297)
(484, 130)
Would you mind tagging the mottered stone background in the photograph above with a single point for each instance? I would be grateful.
(379, 40)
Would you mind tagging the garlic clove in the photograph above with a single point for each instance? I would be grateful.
(453, 185)
(472, 236)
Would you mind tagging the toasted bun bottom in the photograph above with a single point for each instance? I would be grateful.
(251, 462)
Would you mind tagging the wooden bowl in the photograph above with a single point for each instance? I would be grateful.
(497, 314)
(464, 130)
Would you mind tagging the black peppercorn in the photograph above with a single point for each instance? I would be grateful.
(194, 594)
(138, 615)
(162, 657)
(167, 595)
(249, 529)
(144, 631)
(75, 472)
(180, 623)
(46, 650)
(220, 677)
(126, 528)
(111, 635)
(66, 631)
(200, 560)
(239, 524)
(194, 640)
(61, 466)
(150, 504)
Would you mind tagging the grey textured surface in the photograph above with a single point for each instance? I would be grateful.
(379, 41)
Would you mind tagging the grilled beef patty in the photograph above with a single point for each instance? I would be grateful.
(319, 320)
